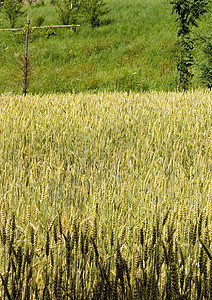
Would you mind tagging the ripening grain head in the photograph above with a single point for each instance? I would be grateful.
(109, 164)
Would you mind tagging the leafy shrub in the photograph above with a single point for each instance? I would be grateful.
(12, 10)
(49, 32)
(188, 13)
(94, 10)
(67, 10)
(39, 20)
(206, 66)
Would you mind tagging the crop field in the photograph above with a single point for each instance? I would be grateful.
(106, 196)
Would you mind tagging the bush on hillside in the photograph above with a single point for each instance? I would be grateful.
(12, 10)
(188, 13)
(206, 66)
(67, 10)
(94, 10)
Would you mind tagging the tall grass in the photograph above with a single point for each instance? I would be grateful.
(106, 196)
(135, 48)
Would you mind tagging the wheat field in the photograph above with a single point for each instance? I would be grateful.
(106, 196)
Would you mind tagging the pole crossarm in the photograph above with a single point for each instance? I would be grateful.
(40, 27)
(26, 46)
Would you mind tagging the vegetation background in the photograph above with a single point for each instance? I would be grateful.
(106, 195)
(134, 48)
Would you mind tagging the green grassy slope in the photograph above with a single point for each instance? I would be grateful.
(134, 49)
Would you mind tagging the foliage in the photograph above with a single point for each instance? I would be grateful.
(67, 10)
(189, 12)
(206, 65)
(39, 20)
(40, 3)
(49, 32)
(106, 196)
(13, 9)
(94, 10)
(30, 2)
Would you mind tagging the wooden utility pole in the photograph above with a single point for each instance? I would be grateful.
(26, 60)
(26, 45)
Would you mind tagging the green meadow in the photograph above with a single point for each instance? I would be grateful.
(135, 48)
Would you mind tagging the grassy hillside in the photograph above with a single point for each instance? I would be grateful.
(106, 196)
(134, 49)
